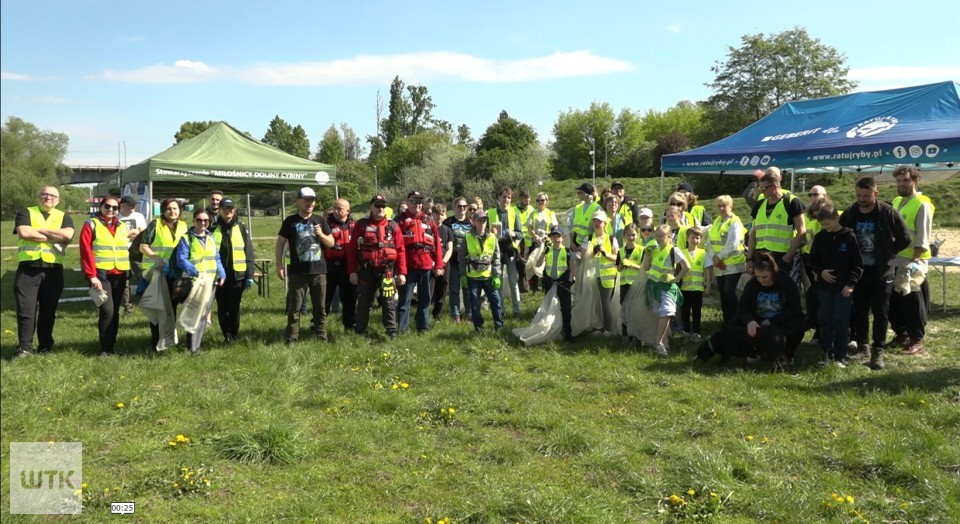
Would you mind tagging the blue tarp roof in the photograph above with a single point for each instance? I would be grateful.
(911, 125)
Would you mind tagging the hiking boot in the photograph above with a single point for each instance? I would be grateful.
(914, 346)
(876, 360)
(900, 341)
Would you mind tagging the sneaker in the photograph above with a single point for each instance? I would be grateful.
(660, 350)
(753, 359)
(852, 346)
(694, 337)
(22, 353)
(914, 346)
(900, 341)
(823, 362)
(105, 354)
(840, 363)
(876, 360)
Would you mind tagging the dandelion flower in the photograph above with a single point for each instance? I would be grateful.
(749, 437)
(404, 385)
(849, 499)
(691, 492)
(136, 399)
(7, 332)
(182, 438)
(171, 443)
(395, 387)
(451, 411)
(120, 405)
(677, 500)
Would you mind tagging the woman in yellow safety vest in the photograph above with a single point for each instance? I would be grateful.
(157, 245)
(725, 247)
(604, 249)
(198, 254)
(539, 222)
(105, 262)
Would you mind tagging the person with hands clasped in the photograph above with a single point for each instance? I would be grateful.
(197, 254)
(837, 264)
(236, 255)
(105, 261)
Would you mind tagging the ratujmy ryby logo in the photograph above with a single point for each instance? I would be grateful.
(46, 477)
(871, 127)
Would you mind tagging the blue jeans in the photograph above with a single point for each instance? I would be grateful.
(493, 296)
(834, 322)
(421, 279)
(456, 292)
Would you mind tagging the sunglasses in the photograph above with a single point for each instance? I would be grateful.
(646, 229)
(461, 205)
(541, 200)
(48, 195)
(108, 207)
(203, 220)
(472, 210)
(380, 205)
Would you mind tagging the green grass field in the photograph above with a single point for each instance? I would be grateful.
(451, 425)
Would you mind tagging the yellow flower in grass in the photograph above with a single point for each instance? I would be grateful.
(404, 385)
(451, 411)
(120, 405)
(7, 332)
(691, 492)
(182, 438)
(172, 443)
(749, 438)
(677, 500)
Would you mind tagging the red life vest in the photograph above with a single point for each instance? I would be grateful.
(417, 233)
(376, 247)
(341, 238)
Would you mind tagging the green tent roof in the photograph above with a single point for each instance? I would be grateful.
(222, 157)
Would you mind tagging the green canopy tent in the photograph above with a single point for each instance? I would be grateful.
(219, 158)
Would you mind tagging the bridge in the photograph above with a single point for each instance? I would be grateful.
(91, 174)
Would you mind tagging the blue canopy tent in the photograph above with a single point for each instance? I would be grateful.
(861, 131)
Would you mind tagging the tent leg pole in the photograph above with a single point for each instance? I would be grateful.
(150, 198)
(249, 217)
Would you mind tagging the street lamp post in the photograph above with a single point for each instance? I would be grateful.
(593, 159)
(376, 180)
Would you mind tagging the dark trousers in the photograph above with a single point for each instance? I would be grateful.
(419, 279)
(727, 287)
(229, 296)
(624, 289)
(521, 261)
(812, 297)
(136, 272)
(339, 279)
(872, 294)
(834, 325)
(565, 299)
(908, 313)
(299, 285)
(478, 286)
(439, 291)
(771, 341)
(369, 281)
(38, 292)
(692, 310)
(109, 311)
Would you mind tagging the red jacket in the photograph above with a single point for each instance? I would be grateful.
(387, 232)
(87, 262)
(421, 238)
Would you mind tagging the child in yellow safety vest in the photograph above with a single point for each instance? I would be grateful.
(558, 270)
(629, 263)
(662, 293)
(696, 282)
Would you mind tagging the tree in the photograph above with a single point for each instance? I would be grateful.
(463, 136)
(192, 129)
(29, 160)
(767, 72)
(291, 140)
(395, 125)
(672, 142)
(330, 150)
(352, 150)
(615, 137)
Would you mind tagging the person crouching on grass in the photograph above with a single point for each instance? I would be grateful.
(837, 263)
(558, 269)
(662, 293)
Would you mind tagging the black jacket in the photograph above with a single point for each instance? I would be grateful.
(892, 235)
(840, 252)
(790, 317)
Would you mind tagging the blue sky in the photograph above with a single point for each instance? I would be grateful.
(118, 76)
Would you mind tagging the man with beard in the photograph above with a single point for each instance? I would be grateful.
(908, 312)
(881, 233)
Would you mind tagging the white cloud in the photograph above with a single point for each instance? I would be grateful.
(6, 75)
(673, 28)
(376, 69)
(133, 39)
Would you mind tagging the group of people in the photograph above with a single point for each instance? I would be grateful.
(612, 259)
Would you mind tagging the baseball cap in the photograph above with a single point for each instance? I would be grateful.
(479, 214)
(305, 192)
(616, 183)
(587, 188)
(645, 212)
(128, 200)
(227, 202)
(415, 196)
(555, 230)
(600, 215)
(378, 198)
(683, 186)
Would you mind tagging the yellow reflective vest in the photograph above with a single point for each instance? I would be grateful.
(661, 269)
(555, 263)
(582, 215)
(493, 214)
(523, 216)
(719, 233)
(238, 247)
(775, 232)
(203, 255)
(29, 250)
(164, 241)
(606, 269)
(110, 250)
(694, 279)
(628, 276)
(480, 258)
(909, 213)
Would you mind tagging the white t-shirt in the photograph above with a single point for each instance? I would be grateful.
(135, 220)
